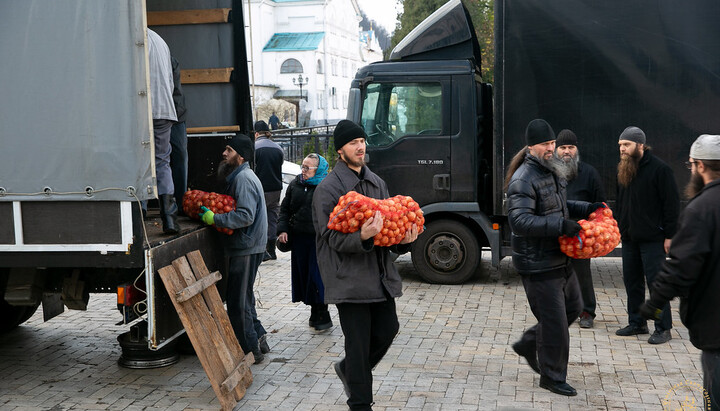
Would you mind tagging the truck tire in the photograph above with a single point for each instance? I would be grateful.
(11, 316)
(447, 252)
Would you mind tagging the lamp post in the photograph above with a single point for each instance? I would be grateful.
(299, 82)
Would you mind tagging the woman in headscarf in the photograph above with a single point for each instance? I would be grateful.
(297, 234)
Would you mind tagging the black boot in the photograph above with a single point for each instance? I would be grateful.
(323, 321)
(313, 315)
(168, 214)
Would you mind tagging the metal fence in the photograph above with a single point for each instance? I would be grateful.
(299, 142)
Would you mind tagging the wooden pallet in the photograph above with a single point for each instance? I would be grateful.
(192, 290)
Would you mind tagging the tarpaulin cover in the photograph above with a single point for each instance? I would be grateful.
(74, 109)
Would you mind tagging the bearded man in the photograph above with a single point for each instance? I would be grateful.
(539, 213)
(583, 185)
(359, 277)
(693, 269)
(648, 204)
(246, 246)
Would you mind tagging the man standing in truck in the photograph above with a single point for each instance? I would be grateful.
(164, 115)
(246, 245)
(359, 277)
(693, 269)
(648, 204)
(583, 185)
(538, 214)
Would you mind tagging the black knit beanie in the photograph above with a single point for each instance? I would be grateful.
(243, 146)
(538, 131)
(634, 134)
(347, 131)
(261, 126)
(566, 138)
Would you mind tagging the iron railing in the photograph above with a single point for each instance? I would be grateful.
(299, 142)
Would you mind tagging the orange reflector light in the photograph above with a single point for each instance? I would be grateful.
(496, 226)
(121, 295)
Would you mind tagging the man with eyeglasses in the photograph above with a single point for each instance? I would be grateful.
(647, 210)
(693, 269)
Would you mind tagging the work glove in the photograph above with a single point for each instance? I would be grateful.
(570, 228)
(207, 216)
(649, 311)
(595, 206)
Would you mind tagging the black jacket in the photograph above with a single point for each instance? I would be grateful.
(647, 210)
(586, 186)
(537, 207)
(269, 159)
(353, 271)
(693, 270)
(296, 208)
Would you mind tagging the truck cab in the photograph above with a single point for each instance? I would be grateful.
(428, 118)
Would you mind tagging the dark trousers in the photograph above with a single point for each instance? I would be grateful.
(556, 303)
(241, 300)
(641, 261)
(179, 160)
(272, 205)
(711, 377)
(161, 130)
(584, 277)
(307, 285)
(369, 330)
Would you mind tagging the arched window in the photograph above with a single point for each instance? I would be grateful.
(291, 66)
(319, 67)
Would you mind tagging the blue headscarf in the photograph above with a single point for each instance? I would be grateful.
(320, 173)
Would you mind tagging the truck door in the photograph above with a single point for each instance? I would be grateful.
(408, 128)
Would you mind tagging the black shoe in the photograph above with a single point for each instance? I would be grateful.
(262, 342)
(341, 375)
(632, 330)
(586, 320)
(660, 337)
(557, 387)
(531, 357)
(259, 356)
(322, 317)
(267, 256)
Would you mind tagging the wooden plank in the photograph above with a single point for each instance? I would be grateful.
(197, 287)
(236, 376)
(216, 129)
(212, 297)
(195, 323)
(168, 18)
(206, 76)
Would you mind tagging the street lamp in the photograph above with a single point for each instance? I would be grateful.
(300, 82)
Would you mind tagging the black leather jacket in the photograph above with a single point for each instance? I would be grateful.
(537, 207)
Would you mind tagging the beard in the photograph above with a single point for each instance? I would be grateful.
(572, 166)
(694, 186)
(627, 168)
(556, 165)
(350, 160)
(225, 168)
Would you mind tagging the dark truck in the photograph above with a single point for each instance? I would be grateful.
(437, 132)
(77, 151)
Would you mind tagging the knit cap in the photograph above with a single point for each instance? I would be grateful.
(345, 132)
(706, 147)
(566, 138)
(243, 146)
(633, 134)
(538, 131)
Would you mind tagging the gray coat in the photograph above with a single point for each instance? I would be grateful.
(249, 219)
(352, 271)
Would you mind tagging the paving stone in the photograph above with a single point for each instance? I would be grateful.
(452, 353)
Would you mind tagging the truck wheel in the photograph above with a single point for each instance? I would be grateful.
(11, 316)
(447, 252)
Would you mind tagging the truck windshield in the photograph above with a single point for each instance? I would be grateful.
(392, 111)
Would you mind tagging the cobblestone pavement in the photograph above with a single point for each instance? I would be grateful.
(452, 353)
